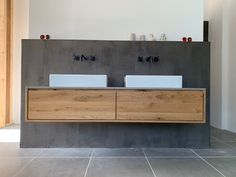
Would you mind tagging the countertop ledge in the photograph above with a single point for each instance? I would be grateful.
(109, 88)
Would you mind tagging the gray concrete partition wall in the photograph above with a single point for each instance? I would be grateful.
(116, 59)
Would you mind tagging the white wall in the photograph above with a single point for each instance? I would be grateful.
(20, 31)
(222, 15)
(215, 17)
(116, 19)
(230, 38)
(206, 10)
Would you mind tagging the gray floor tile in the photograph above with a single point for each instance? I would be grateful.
(174, 167)
(214, 139)
(215, 131)
(55, 167)
(123, 152)
(227, 166)
(12, 126)
(119, 167)
(66, 152)
(223, 135)
(232, 144)
(13, 150)
(165, 152)
(10, 166)
(216, 152)
(219, 145)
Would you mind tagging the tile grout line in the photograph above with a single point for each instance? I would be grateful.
(134, 157)
(90, 159)
(219, 157)
(150, 166)
(208, 163)
(25, 166)
(138, 157)
(63, 157)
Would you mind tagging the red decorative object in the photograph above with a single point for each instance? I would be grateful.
(47, 36)
(42, 37)
(190, 39)
(184, 39)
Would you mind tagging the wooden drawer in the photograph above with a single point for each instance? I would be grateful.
(70, 105)
(161, 106)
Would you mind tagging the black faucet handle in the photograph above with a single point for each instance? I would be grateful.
(156, 59)
(92, 58)
(76, 57)
(149, 59)
(140, 59)
(83, 57)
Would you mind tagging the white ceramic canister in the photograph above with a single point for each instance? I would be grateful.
(142, 37)
(133, 37)
(163, 37)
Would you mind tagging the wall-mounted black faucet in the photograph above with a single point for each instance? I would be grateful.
(82, 57)
(149, 59)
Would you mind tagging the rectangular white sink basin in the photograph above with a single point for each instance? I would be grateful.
(153, 81)
(77, 80)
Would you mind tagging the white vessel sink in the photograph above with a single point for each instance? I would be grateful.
(77, 80)
(153, 81)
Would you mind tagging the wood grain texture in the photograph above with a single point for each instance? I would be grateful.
(5, 61)
(2, 62)
(161, 106)
(9, 60)
(153, 106)
(71, 105)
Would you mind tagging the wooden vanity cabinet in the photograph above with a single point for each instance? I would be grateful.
(115, 105)
(70, 105)
(175, 106)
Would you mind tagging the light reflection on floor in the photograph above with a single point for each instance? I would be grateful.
(10, 134)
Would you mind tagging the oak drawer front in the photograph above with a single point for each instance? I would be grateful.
(161, 106)
(70, 105)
